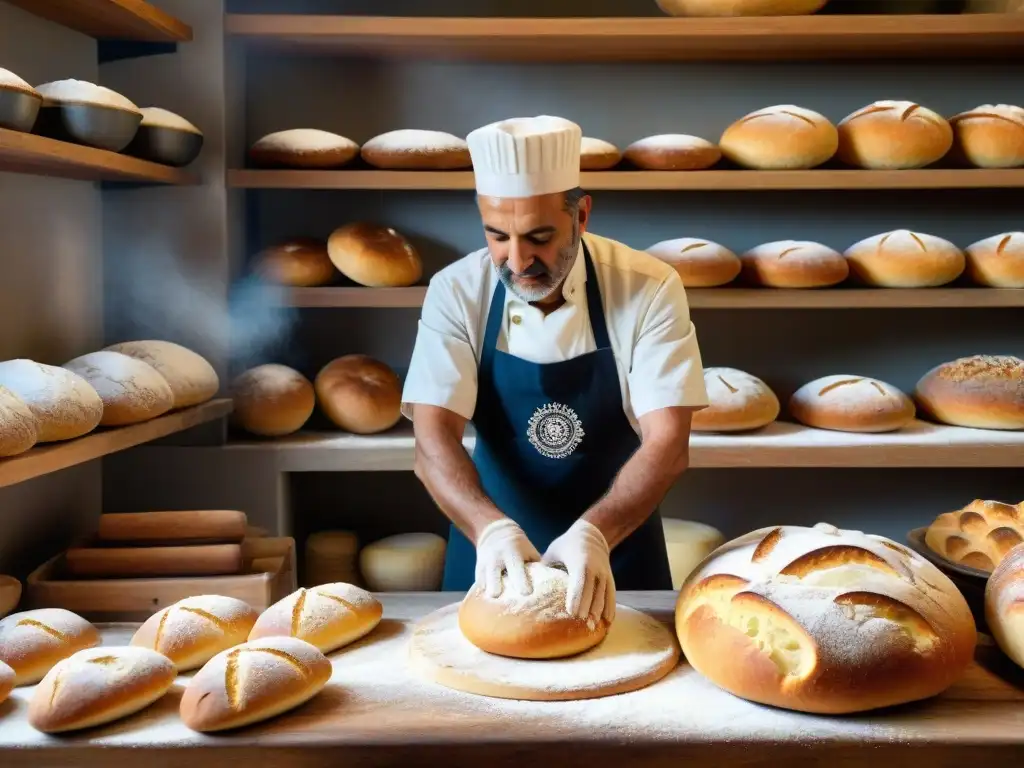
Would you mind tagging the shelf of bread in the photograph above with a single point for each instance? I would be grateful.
(112, 19)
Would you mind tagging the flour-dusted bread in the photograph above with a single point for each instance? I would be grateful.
(191, 377)
(73, 91)
(904, 259)
(359, 394)
(848, 403)
(303, 148)
(979, 391)
(65, 405)
(598, 155)
(373, 255)
(272, 400)
(700, 263)
(673, 152)
(824, 620)
(132, 390)
(793, 264)
(780, 137)
(997, 261)
(990, 136)
(979, 535)
(893, 135)
(31, 642)
(18, 430)
(6, 681)
(413, 149)
(738, 402)
(740, 7)
(301, 262)
(1004, 605)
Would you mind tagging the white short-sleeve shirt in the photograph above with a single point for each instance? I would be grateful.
(649, 327)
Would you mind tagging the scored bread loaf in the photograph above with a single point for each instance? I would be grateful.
(979, 535)
(848, 403)
(700, 263)
(893, 135)
(990, 136)
(979, 391)
(303, 148)
(374, 256)
(359, 394)
(793, 264)
(1004, 605)
(192, 379)
(740, 7)
(132, 390)
(997, 261)
(65, 405)
(301, 262)
(17, 424)
(781, 137)
(6, 681)
(673, 152)
(412, 149)
(272, 400)
(598, 155)
(31, 642)
(824, 620)
(406, 562)
(904, 259)
(737, 402)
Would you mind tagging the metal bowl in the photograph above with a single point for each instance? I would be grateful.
(167, 146)
(18, 110)
(91, 124)
(970, 581)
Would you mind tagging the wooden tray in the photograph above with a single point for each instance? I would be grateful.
(269, 562)
(970, 581)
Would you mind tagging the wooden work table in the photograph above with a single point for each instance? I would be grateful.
(374, 712)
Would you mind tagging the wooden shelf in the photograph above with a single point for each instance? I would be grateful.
(992, 36)
(53, 457)
(40, 156)
(111, 19)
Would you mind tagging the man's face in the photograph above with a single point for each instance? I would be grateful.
(533, 242)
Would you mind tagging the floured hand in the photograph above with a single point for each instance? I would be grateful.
(503, 546)
(584, 552)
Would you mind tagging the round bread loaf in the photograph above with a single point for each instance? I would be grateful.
(824, 620)
(73, 91)
(904, 259)
(31, 642)
(1004, 605)
(300, 263)
(374, 256)
(412, 149)
(253, 682)
(359, 394)
(11, 82)
(156, 117)
(194, 630)
(6, 681)
(980, 391)
(17, 424)
(737, 402)
(979, 535)
(997, 261)
(193, 380)
(893, 135)
(132, 391)
(782, 137)
(700, 263)
(793, 264)
(65, 405)
(272, 400)
(847, 403)
(598, 155)
(534, 626)
(740, 7)
(990, 136)
(97, 686)
(407, 562)
(688, 543)
(673, 152)
(328, 617)
(303, 148)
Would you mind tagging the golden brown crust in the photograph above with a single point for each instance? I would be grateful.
(700, 263)
(327, 617)
(904, 259)
(301, 262)
(850, 403)
(978, 535)
(979, 391)
(781, 137)
(893, 135)
(132, 391)
(673, 152)
(990, 136)
(303, 148)
(738, 401)
(193, 380)
(598, 155)
(272, 400)
(374, 256)
(1004, 603)
(31, 642)
(997, 261)
(359, 394)
(793, 264)
(7, 678)
(413, 149)
(18, 430)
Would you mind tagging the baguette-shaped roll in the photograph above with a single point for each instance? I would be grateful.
(598, 155)
(904, 259)
(980, 391)
(1004, 605)
(997, 261)
(893, 135)
(793, 264)
(848, 403)
(738, 402)
(6, 681)
(329, 616)
(782, 137)
(990, 136)
(31, 642)
(97, 686)
(253, 682)
(700, 263)
(979, 535)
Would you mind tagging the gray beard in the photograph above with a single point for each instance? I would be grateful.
(552, 280)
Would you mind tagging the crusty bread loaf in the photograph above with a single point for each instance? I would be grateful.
(253, 682)
(997, 261)
(406, 562)
(272, 400)
(359, 394)
(673, 152)
(99, 685)
(990, 136)
(132, 390)
(848, 403)
(301, 262)
(6, 681)
(980, 391)
(781, 137)
(374, 256)
(1004, 605)
(793, 264)
(737, 400)
(740, 7)
(893, 135)
(412, 149)
(193, 380)
(824, 620)
(194, 630)
(700, 263)
(31, 642)
(979, 535)
(303, 148)
(65, 405)
(904, 259)
(17, 424)
(598, 155)
(329, 616)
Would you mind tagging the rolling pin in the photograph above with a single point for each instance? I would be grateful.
(102, 562)
(206, 526)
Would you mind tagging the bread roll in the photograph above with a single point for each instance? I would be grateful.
(793, 264)
(700, 263)
(253, 682)
(374, 256)
(10, 594)
(33, 641)
(193, 380)
(6, 682)
(272, 400)
(194, 630)
(979, 535)
(534, 626)
(740, 7)
(990, 136)
(1004, 605)
(417, 150)
(303, 148)
(824, 620)
(688, 543)
(97, 686)
(132, 391)
(893, 135)
(65, 405)
(407, 562)
(17, 424)
(904, 259)
(359, 394)
(300, 263)
(673, 152)
(848, 403)
(997, 261)
(737, 402)
(980, 391)
(328, 617)
(598, 155)
(782, 137)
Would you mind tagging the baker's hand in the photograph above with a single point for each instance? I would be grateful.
(584, 552)
(503, 546)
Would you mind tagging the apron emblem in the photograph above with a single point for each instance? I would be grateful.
(555, 430)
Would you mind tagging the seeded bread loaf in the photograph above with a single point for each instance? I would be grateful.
(980, 391)
(979, 535)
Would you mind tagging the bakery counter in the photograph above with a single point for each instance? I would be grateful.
(376, 711)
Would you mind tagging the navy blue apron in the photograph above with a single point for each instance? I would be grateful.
(550, 440)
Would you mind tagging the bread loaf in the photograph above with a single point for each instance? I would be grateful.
(17, 424)
(359, 394)
(303, 148)
(893, 135)
(1004, 605)
(417, 150)
(980, 391)
(673, 152)
(824, 620)
(997, 261)
(407, 562)
(374, 256)
(10, 594)
(300, 263)
(688, 543)
(598, 155)
(6, 681)
(782, 137)
(700, 263)
(990, 136)
(904, 259)
(848, 403)
(253, 682)
(132, 391)
(97, 686)
(65, 405)
(31, 642)
(71, 91)
(737, 401)
(272, 400)
(793, 264)
(740, 7)
(193, 380)
(979, 535)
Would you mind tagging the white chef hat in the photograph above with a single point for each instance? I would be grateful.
(526, 156)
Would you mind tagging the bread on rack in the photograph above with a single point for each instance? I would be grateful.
(406, 562)
(412, 149)
(303, 148)
(598, 155)
(997, 261)
(979, 535)
(737, 402)
(6, 681)
(18, 430)
(31, 642)
(673, 152)
(301, 262)
(893, 135)
(193, 380)
(1004, 605)
(65, 405)
(700, 263)
(374, 255)
(793, 264)
(132, 390)
(359, 394)
(780, 137)
(848, 403)
(740, 7)
(272, 400)
(904, 259)
(979, 391)
(824, 620)
(990, 136)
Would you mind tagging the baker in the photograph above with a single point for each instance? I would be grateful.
(575, 359)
